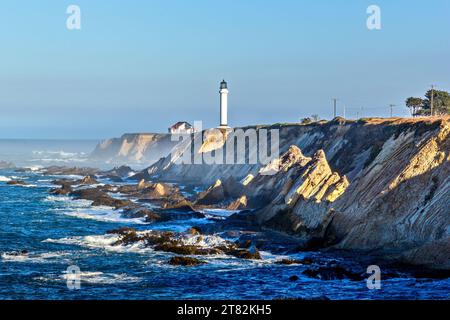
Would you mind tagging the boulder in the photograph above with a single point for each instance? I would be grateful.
(17, 183)
(333, 273)
(185, 261)
(88, 180)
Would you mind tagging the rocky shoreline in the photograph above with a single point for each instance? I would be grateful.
(160, 201)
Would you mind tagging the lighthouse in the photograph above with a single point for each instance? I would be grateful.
(223, 105)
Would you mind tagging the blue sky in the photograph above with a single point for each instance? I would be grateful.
(138, 66)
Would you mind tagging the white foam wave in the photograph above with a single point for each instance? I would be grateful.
(103, 278)
(33, 257)
(208, 241)
(219, 212)
(104, 214)
(83, 209)
(105, 242)
(35, 168)
(5, 179)
(92, 277)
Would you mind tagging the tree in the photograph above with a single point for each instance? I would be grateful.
(441, 102)
(422, 107)
(414, 104)
(305, 121)
(315, 117)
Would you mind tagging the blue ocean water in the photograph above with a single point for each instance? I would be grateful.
(58, 232)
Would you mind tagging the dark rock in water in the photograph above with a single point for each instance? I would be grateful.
(305, 261)
(122, 231)
(178, 248)
(114, 178)
(66, 188)
(314, 244)
(100, 198)
(58, 170)
(17, 183)
(293, 278)
(139, 212)
(333, 273)
(252, 254)
(168, 215)
(185, 261)
(117, 172)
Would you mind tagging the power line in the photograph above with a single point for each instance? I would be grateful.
(391, 106)
(334, 109)
(432, 100)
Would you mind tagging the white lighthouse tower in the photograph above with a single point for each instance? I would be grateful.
(223, 105)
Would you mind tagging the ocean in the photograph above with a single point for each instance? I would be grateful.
(37, 153)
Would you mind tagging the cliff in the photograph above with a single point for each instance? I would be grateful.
(374, 185)
(134, 149)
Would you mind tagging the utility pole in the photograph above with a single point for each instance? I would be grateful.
(392, 109)
(334, 110)
(432, 101)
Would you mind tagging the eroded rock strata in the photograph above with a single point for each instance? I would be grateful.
(374, 185)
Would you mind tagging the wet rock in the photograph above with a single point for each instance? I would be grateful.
(178, 248)
(293, 278)
(117, 172)
(100, 198)
(333, 273)
(139, 212)
(250, 254)
(122, 231)
(113, 178)
(60, 170)
(305, 261)
(185, 261)
(17, 183)
(66, 188)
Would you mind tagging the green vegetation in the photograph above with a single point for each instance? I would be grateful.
(440, 100)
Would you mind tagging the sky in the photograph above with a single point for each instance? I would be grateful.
(140, 66)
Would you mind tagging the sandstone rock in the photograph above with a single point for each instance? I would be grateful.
(141, 185)
(213, 195)
(238, 204)
(88, 180)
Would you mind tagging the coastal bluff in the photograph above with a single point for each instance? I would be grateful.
(137, 149)
(378, 186)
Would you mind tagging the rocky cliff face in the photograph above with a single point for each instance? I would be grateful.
(373, 185)
(134, 149)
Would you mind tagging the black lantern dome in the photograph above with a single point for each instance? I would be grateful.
(223, 85)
